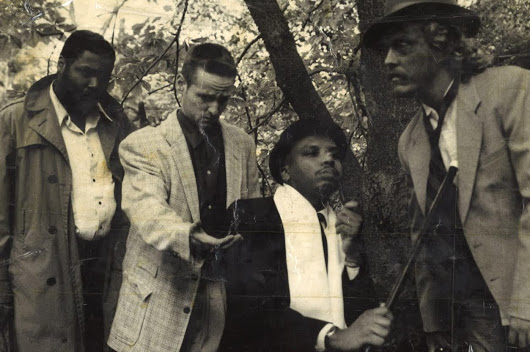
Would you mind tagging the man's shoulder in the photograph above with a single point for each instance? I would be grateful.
(145, 138)
(234, 130)
(502, 77)
(12, 112)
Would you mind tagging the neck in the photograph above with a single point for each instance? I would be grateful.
(433, 95)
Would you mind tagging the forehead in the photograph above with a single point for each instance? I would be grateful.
(406, 31)
(93, 60)
(321, 142)
(211, 83)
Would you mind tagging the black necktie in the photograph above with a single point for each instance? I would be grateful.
(437, 171)
(323, 224)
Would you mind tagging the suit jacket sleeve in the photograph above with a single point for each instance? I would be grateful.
(515, 117)
(146, 188)
(7, 149)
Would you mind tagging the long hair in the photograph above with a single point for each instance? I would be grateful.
(461, 54)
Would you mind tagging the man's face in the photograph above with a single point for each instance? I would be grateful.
(206, 97)
(313, 167)
(84, 79)
(411, 63)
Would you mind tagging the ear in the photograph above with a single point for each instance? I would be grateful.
(284, 173)
(61, 65)
(181, 83)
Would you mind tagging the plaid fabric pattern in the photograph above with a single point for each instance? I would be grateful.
(160, 277)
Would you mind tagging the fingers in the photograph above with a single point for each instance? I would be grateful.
(237, 238)
(351, 205)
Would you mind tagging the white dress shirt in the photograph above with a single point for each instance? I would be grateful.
(92, 193)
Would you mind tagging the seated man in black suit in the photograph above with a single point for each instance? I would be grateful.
(288, 289)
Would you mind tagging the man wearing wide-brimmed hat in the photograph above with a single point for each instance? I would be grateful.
(472, 274)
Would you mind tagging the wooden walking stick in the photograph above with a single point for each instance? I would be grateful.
(422, 232)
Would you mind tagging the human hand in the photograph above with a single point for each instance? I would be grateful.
(371, 328)
(348, 225)
(202, 244)
(519, 334)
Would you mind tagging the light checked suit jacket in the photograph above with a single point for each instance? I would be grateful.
(160, 198)
(493, 143)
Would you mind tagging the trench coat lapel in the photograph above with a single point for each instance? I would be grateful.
(469, 139)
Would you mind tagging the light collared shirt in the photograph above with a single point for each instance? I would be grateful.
(92, 193)
(447, 142)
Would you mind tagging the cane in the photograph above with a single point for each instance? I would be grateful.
(426, 223)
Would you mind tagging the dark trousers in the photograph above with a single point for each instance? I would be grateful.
(93, 275)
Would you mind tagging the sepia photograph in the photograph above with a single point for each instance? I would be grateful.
(264, 175)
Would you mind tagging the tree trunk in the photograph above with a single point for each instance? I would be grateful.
(293, 79)
(385, 190)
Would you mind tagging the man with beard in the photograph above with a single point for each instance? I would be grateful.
(179, 179)
(289, 288)
(60, 211)
(472, 274)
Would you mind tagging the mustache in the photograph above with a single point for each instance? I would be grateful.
(327, 169)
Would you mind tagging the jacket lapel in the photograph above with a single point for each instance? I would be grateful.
(469, 139)
(232, 162)
(419, 158)
(45, 123)
(181, 156)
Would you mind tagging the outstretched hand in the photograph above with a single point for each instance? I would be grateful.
(202, 244)
(519, 334)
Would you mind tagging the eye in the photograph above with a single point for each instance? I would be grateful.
(223, 100)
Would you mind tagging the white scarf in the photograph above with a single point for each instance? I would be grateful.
(314, 292)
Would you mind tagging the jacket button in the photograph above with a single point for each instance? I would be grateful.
(64, 340)
(187, 310)
(53, 179)
(52, 230)
(51, 281)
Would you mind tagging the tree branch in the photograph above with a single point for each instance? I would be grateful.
(157, 60)
(263, 119)
(177, 51)
(308, 19)
(255, 40)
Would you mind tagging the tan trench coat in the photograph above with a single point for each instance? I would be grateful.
(38, 245)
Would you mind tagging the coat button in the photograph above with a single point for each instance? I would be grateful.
(51, 281)
(53, 179)
(52, 230)
(187, 310)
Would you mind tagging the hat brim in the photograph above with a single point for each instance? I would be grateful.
(467, 19)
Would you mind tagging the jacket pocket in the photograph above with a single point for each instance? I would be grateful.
(135, 295)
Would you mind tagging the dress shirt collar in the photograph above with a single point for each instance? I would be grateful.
(191, 131)
(431, 112)
(62, 114)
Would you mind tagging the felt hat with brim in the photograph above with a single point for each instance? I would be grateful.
(298, 131)
(400, 11)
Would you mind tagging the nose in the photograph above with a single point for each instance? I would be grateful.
(328, 159)
(391, 58)
(213, 108)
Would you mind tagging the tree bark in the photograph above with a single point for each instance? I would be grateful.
(293, 79)
(385, 189)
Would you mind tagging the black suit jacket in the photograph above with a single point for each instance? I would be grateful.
(259, 317)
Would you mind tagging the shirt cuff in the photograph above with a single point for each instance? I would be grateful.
(352, 272)
(321, 338)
